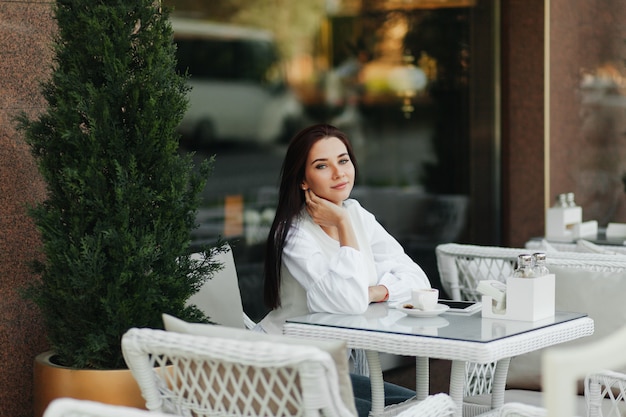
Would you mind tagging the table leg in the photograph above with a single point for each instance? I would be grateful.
(422, 374)
(457, 384)
(377, 383)
(499, 383)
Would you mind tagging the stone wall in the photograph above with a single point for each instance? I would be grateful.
(584, 152)
(588, 106)
(522, 121)
(25, 29)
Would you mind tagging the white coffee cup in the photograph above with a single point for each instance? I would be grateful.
(425, 298)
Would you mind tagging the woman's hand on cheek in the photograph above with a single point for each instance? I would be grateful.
(322, 211)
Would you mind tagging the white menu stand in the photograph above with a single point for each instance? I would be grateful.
(527, 299)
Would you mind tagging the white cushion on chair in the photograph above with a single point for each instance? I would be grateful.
(534, 398)
(546, 246)
(336, 349)
(219, 297)
(590, 247)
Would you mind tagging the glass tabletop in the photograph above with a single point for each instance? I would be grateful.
(383, 318)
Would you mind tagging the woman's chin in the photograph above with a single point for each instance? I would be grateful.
(337, 197)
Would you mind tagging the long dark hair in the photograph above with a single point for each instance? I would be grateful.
(291, 199)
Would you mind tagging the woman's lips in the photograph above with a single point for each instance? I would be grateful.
(340, 186)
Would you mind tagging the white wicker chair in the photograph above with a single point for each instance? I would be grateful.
(608, 385)
(219, 297)
(71, 407)
(462, 266)
(563, 366)
(214, 376)
(581, 245)
(605, 391)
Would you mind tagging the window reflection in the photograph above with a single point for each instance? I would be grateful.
(600, 175)
(395, 80)
(238, 92)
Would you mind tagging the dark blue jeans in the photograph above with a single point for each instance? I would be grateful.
(363, 394)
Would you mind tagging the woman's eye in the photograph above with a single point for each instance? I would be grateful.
(344, 161)
(320, 166)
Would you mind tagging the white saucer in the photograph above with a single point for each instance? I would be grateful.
(414, 312)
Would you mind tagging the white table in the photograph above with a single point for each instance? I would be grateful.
(459, 338)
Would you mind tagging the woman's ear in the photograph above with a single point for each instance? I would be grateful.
(304, 186)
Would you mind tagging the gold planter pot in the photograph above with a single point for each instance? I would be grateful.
(52, 381)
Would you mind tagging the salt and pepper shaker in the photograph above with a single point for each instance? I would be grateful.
(565, 200)
(524, 266)
(570, 200)
(539, 264)
(531, 266)
(561, 201)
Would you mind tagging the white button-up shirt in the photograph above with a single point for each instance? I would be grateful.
(319, 275)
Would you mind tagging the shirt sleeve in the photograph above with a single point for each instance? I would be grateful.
(333, 285)
(394, 268)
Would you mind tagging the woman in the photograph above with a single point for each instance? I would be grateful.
(325, 253)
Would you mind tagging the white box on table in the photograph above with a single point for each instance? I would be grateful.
(527, 299)
(560, 222)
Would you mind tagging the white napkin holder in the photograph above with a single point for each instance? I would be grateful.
(565, 224)
(585, 230)
(560, 222)
(527, 299)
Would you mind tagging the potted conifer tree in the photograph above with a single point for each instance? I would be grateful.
(116, 224)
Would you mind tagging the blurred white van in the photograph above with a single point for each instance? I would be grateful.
(238, 86)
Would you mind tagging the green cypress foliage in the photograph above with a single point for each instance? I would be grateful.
(121, 203)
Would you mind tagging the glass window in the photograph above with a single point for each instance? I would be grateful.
(409, 85)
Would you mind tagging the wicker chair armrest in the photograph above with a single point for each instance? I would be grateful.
(603, 386)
